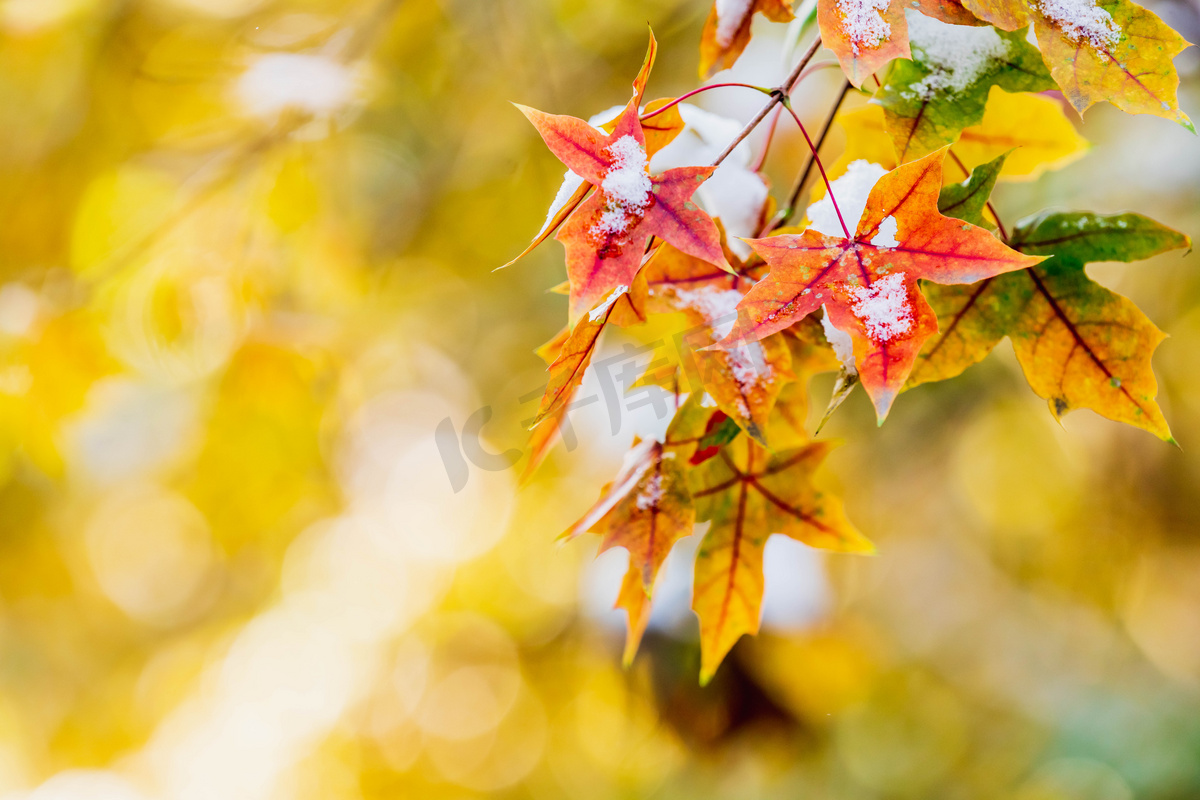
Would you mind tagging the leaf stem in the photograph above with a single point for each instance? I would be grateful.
(786, 212)
(695, 92)
(816, 158)
(762, 157)
(777, 96)
(990, 207)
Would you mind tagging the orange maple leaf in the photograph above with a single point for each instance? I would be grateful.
(868, 281)
(606, 237)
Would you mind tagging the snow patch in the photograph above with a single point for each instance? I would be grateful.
(626, 187)
(863, 23)
(748, 363)
(1082, 20)
(599, 311)
(883, 307)
(730, 15)
(651, 494)
(843, 345)
(886, 236)
(956, 55)
(851, 191)
(719, 308)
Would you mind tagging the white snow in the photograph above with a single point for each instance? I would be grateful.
(883, 307)
(651, 494)
(571, 181)
(599, 311)
(956, 54)
(863, 24)
(851, 191)
(1082, 20)
(843, 345)
(717, 306)
(886, 235)
(280, 81)
(730, 16)
(626, 186)
(748, 362)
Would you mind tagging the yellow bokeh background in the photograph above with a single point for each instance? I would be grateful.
(246, 271)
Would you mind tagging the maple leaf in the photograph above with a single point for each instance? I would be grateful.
(727, 30)
(928, 101)
(866, 34)
(568, 355)
(1043, 138)
(748, 494)
(1113, 50)
(744, 381)
(659, 131)
(867, 281)
(606, 236)
(646, 509)
(1079, 344)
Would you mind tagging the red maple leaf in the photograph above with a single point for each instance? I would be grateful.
(868, 281)
(606, 237)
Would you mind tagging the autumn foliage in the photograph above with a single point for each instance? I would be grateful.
(899, 273)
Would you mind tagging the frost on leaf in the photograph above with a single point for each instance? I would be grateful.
(744, 381)
(863, 23)
(928, 101)
(870, 291)
(1082, 21)
(883, 307)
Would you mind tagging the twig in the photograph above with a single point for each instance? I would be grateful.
(777, 96)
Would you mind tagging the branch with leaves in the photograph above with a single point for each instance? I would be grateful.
(899, 273)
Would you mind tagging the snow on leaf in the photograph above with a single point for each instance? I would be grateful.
(927, 102)
(1113, 51)
(744, 381)
(748, 495)
(606, 236)
(871, 292)
(863, 34)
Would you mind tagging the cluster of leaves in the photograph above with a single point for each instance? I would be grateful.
(916, 275)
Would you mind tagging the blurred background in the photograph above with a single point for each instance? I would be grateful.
(246, 254)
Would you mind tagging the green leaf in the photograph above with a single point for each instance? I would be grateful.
(1084, 237)
(725, 433)
(967, 200)
(928, 101)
